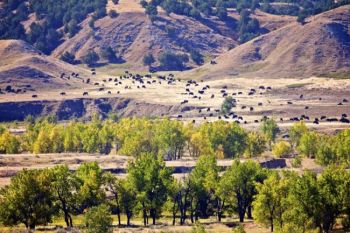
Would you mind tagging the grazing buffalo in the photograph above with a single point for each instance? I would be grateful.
(85, 93)
(34, 96)
(63, 93)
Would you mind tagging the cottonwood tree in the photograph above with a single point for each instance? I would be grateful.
(270, 129)
(27, 199)
(65, 188)
(241, 181)
(150, 178)
(91, 181)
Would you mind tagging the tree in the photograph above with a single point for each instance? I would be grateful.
(150, 178)
(172, 61)
(308, 144)
(301, 17)
(112, 14)
(108, 54)
(256, 145)
(326, 153)
(68, 57)
(9, 143)
(221, 12)
(73, 27)
(227, 105)
(114, 186)
(148, 60)
(170, 138)
(270, 203)
(98, 219)
(296, 132)
(90, 179)
(282, 149)
(196, 57)
(203, 181)
(65, 188)
(241, 181)
(151, 11)
(270, 129)
(91, 58)
(128, 200)
(27, 199)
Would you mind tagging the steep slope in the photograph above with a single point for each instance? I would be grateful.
(320, 47)
(22, 65)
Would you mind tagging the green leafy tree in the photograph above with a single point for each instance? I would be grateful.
(65, 188)
(9, 143)
(326, 153)
(98, 219)
(227, 105)
(270, 129)
(150, 178)
(296, 132)
(91, 180)
(170, 138)
(282, 149)
(203, 181)
(27, 199)
(256, 145)
(308, 144)
(241, 181)
(270, 203)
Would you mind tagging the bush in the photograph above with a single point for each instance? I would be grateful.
(239, 229)
(108, 54)
(282, 149)
(198, 228)
(196, 57)
(98, 220)
(227, 105)
(68, 57)
(172, 61)
(112, 14)
(90, 58)
(148, 59)
(296, 162)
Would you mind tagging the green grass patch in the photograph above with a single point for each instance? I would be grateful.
(298, 85)
(338, 75)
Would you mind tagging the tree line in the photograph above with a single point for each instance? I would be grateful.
(172, 139)
(284, 201)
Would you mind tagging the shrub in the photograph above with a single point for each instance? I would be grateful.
(227, 105)
(196, 57)
(172, 61)
(239, 229)
(282, 149)
(68, 57)
(112, 14)
(296, 162)
(91, 58)
(198, 228)
(98, 220)
(148, 59)
(108, 54)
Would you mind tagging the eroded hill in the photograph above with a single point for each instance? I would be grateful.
(320, 47)
(24, 67)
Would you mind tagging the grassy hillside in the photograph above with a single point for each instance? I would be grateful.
(319, 47)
